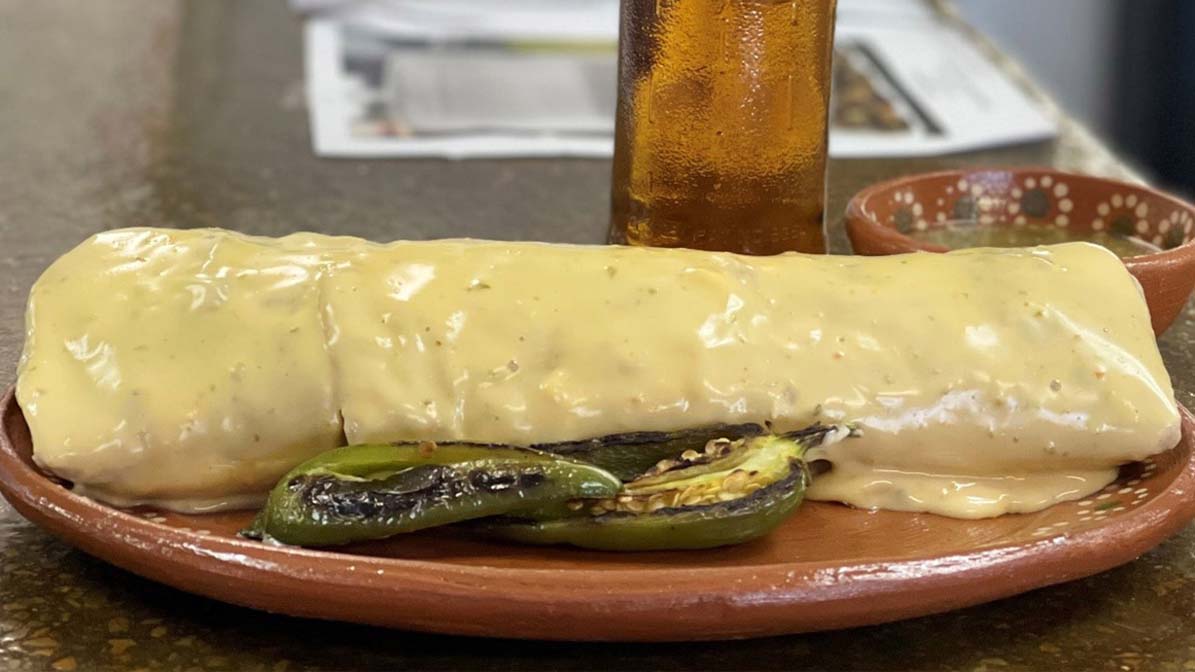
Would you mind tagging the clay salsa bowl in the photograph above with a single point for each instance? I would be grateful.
(878, 218)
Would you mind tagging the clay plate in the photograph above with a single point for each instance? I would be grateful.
(828, 567)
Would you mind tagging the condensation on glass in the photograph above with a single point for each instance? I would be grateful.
(722, 124)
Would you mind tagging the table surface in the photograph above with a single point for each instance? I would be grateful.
(164, 112)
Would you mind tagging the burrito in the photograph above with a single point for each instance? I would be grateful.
(191, 369)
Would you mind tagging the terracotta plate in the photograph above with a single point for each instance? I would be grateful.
(828, 567)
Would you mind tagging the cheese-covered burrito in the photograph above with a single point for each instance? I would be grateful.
(191, 369)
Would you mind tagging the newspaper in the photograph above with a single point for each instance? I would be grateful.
(524, 78)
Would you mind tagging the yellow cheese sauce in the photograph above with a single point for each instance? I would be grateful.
(956, 495)
(178, 367)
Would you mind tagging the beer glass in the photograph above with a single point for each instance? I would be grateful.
(720, 140)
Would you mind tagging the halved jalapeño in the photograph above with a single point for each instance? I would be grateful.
(629, 455)
(727, 493)
(376, 491)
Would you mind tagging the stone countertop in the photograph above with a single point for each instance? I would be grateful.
(165, 112)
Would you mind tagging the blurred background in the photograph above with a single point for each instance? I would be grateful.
(186, 112)
(416, 72)
(1126, 68)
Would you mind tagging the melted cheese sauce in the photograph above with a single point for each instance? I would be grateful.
(185, 367)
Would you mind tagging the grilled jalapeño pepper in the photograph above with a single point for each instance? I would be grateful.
(628, 456)
(376, 491)
(728, 493)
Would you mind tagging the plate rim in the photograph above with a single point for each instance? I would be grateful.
(653, 604)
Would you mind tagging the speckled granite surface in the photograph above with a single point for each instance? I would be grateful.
(190, 114)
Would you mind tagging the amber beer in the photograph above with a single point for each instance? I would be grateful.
(720, 141)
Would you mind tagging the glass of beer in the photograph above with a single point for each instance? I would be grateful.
(720, 140)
